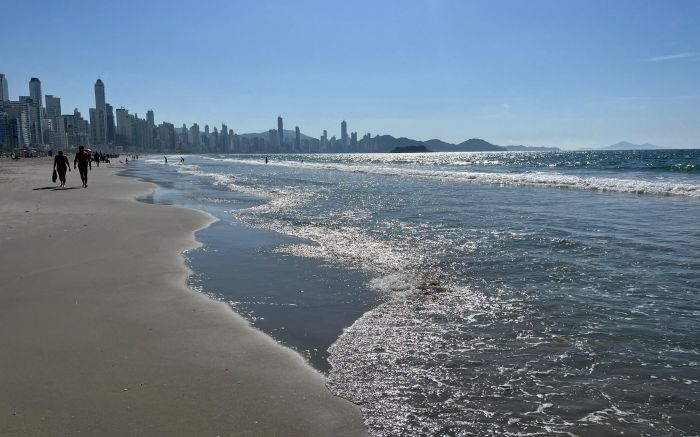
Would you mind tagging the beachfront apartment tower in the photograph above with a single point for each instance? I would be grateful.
(280, 132)
(297, 139)
(344, 133)
(100, 129)
(35, 92)
(53, 106)
(4, 89)
(111, 123)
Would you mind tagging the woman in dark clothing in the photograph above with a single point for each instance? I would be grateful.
(61, 164)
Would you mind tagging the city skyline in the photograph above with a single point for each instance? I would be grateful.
(27, 123)
(538, 73)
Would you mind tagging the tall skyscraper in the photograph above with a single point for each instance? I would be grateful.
(150, 118)
(34, 116)
(111, 126)
(297, 139)
(35, 92)
(53, 106)
(196, 137)
(280, 132)
(4, 89)
(99, 94)
(344, 133)
(100, 129)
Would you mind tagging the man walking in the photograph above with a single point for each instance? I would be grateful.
(82, 158)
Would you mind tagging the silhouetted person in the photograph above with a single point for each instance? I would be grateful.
(182, 160)
(82, 159)
(166, 159)
(266, 160)
(61, 164)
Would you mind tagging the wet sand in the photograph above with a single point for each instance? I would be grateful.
(100, 335)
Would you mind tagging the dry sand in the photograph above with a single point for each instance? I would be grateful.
(100, 336)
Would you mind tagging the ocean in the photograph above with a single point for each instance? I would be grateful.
(453, 294)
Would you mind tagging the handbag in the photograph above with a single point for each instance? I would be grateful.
(54, 176)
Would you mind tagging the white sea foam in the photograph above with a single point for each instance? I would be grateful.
(539, 179)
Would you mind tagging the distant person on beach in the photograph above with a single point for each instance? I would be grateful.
(166, 159)
(61, 164)
(182, 160)
(266, 160)
(82, 159)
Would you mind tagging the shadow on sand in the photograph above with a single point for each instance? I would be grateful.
(55, 188)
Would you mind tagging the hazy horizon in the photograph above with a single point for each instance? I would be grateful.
(570, 75)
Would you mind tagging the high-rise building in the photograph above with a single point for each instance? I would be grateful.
(4, 89)
(297, 139)
(111, 125)
(100, 129)
(99, 94)
(150, 118)
(76, 128)
(123, 132)
(35, 91)
(182, 137)
(196, 138)
(53, 106)
(344, 133)
(36, 136)
(17, 126)
(4, 128)
(280, 132)
(92, 114)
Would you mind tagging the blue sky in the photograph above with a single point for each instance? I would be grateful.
(555, 73)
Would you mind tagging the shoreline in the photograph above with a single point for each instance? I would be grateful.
(106, 337)
(303, 303)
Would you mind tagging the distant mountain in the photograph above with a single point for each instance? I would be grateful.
(439, 145)
(532, 149)
(387, 143)
(411, 149)
(478, 145)
(624, 145)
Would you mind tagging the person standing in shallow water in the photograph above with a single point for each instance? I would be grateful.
(61, 164)
(82, 159)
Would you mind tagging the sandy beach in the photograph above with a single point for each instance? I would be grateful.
(101, 336)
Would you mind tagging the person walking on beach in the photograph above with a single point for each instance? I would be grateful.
(61, 164)
(166, 159)
(82, 159)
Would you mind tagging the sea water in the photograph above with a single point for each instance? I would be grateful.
(513, 293)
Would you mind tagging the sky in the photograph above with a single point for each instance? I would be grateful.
(571, 74)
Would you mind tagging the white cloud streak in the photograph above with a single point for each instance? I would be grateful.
(674, 56)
